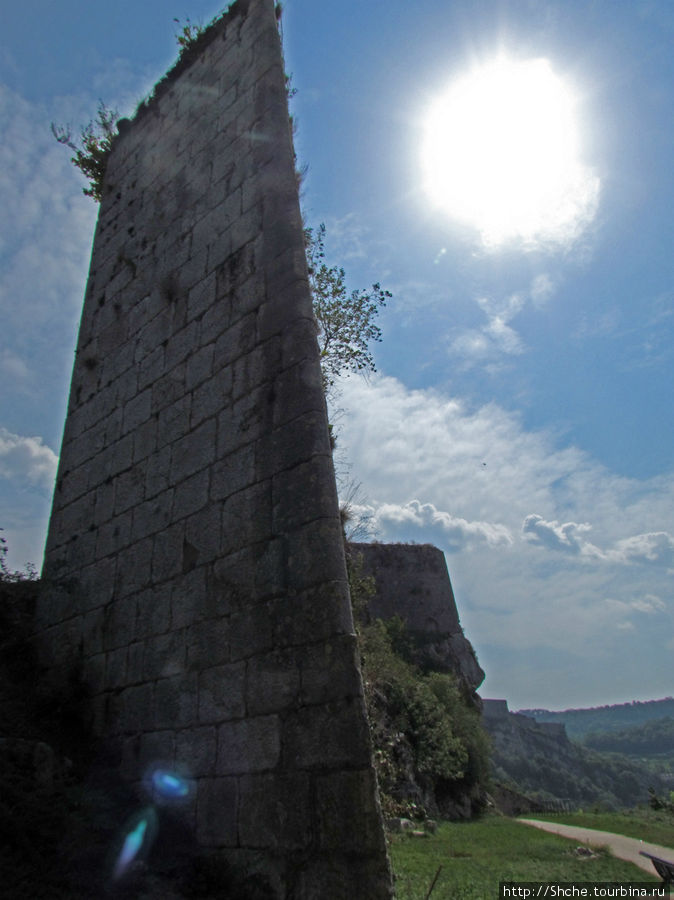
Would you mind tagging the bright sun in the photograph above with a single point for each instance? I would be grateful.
(501, 153)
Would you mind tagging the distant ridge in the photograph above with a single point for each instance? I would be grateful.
(580, 722)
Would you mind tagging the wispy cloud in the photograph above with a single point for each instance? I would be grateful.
(497, 338)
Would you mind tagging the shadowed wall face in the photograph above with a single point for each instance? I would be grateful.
(194, 555)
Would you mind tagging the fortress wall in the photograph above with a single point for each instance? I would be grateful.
(411, 581)
(195, 566)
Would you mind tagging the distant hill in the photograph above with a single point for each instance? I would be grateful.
(650, 739)
(538, 760)
(580, 722)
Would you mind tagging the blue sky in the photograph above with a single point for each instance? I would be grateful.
(521, 415)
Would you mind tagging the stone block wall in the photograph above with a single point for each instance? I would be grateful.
(194, 565)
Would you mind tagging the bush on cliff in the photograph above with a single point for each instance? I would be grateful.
(431, 753)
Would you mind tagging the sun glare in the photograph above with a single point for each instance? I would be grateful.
(501, 152)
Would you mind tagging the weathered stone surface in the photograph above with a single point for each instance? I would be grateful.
(195, 558)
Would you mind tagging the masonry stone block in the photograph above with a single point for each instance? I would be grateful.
(153, 612)
(293, 504)
(329, 671)
(291, 444)
(203, 542)
(300, 618)
(128, 488)
(272, 682)
(300, 381)
(112, 536)
(137, 410)
(135, 662)
(269, 579)
(190, 494)
(115, 668)
(217, 804)
(251, 631)
(222, 693)
(93, 673)
(118, 622)
(337, 796)
(249, 745)
(165, 655)
(145, 440)
(133, 569)
(105, 503)
(208, 643)
(97, 583)
(314, 553)
(329, 736)
(155, 746)
(187, 598)
(167, 553)
(173, 422)
(199, 366)
(195, 749)
(232, 474)
(137, 708)
(153, 515)
(157, 471)
(195, 518)
(194, 451)
(247, 517)
(273, 812)
(175, 701)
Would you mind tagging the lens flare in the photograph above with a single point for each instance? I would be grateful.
(140, 832)
(169, 785)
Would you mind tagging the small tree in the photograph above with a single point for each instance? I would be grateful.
(188, 33)
(345, 321)
(91, 154)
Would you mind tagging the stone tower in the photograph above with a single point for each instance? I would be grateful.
(194, 566)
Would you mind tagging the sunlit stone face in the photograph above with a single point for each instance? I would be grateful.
(501, 152)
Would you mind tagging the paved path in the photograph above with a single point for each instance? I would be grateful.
(623, 847)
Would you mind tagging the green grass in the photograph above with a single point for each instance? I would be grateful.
(475, 856)
(645, 824)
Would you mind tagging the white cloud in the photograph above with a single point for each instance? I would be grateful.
(656, 548)
(27, 459)
(567, 537)
(457, 532)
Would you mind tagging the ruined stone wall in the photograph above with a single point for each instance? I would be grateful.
(412, 581)
(194, 561)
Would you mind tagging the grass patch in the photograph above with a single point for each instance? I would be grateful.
(644, 824)
(476, 855)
